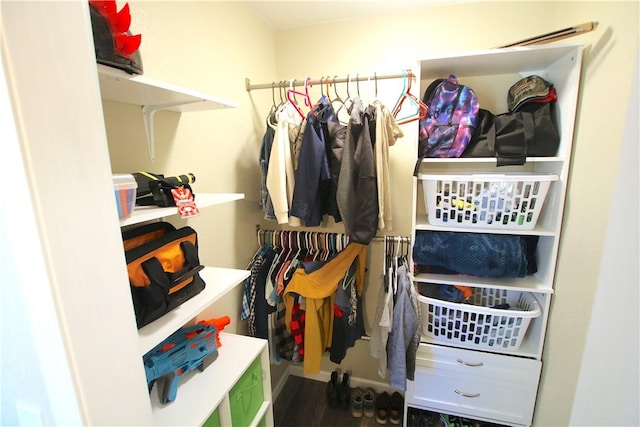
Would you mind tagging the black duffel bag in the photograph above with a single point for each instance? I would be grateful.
(163, 267)
(528, 130)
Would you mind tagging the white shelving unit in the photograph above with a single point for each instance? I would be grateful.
(452, 378)
(199, 393)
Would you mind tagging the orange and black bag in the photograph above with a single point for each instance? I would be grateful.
(163, 267)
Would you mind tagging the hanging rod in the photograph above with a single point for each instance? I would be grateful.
(298, 82)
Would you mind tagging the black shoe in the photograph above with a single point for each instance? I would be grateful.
(332, 390)
(397, 408)
(344, 392)
(383, 408)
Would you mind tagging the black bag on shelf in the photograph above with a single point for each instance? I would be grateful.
(155, 189)
(163, 268)
(528, 129)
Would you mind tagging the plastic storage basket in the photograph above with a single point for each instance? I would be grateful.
(477, 325)
(498, 201)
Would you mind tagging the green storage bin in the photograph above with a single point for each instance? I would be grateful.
(263, 422)
(213, 420)
(246, 396)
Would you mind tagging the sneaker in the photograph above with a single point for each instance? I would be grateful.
(383, 408)
(357, 398)
(332, 390)
(397, 408)
(369, 402)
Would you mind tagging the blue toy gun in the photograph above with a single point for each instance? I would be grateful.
(188, 348)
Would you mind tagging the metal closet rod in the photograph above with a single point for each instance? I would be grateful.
(298, 82)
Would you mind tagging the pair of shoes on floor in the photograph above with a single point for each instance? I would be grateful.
(363, 402)
(389, 408)
(339, 393)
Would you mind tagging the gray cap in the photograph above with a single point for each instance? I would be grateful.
(525, 90)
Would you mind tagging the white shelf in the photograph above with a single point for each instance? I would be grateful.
(490, 160)
(497, 61)
(538, 230)
(218, 282)
(118, 86)
(529, 283)
(203, 200)
(199, 393)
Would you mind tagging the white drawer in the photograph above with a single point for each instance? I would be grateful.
(478, 385)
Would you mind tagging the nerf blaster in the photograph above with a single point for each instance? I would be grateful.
(219, 324)
(186, 349)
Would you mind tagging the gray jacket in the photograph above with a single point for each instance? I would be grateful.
(357, 193)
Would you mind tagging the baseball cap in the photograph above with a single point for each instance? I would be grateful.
(532, 88)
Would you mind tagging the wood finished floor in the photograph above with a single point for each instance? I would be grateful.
(302, 402)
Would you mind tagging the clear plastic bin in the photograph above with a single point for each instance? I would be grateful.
(124, 187)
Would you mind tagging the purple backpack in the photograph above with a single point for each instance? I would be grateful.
(451, 120)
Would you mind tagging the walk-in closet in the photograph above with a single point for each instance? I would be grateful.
(346, 275)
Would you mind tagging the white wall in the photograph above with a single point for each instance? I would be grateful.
(607, 388)
(35, 380)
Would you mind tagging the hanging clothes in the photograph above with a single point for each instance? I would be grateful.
(319, 290)
(254, 310)
(357, 193)
(266, 205)
(280, 175)
(383, 322)
(403, 339)
(387, 133)
(313, 175)
(335, 145)
(348, 325)
(273, 267)
(331, 169)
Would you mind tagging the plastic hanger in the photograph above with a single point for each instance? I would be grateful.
(372, 85)
(315, 111)
(336, 98)
(283, 99)
(345, 106)
(291, 96)
(400, 100)
(271, 117)
(421, 109)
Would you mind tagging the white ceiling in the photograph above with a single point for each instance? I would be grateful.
(283, 15)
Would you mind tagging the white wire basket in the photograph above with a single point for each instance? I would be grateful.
(498, 201)
(477, 325)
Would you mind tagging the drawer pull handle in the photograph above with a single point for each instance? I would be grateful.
(464, 394)
(473, 365)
